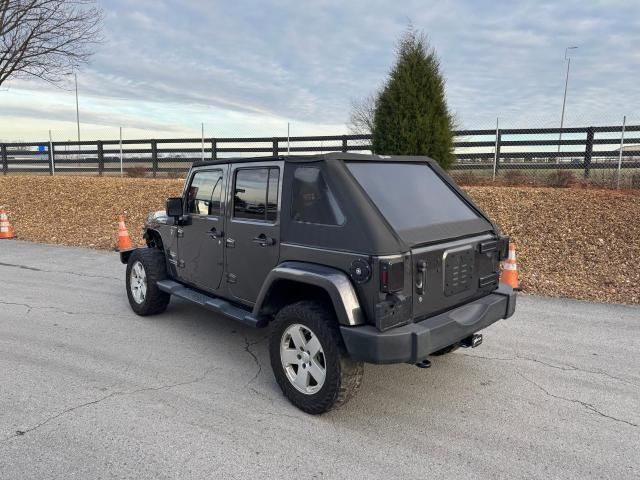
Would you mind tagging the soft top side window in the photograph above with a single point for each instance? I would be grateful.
(312, 200)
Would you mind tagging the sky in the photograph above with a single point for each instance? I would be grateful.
(248, 68)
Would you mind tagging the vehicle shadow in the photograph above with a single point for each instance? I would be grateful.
(453, 379)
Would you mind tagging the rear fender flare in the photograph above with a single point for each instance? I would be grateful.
(334, 282)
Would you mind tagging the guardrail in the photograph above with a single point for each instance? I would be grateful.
(584, 148)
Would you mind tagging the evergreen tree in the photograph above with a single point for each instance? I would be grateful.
(411, 115)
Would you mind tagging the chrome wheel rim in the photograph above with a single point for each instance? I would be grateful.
(303, 359)
(138, 282)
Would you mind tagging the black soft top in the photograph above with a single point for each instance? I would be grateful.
(334, 156)
(366, 229)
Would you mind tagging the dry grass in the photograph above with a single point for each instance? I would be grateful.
(571, 242)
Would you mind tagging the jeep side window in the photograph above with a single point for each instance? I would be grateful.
(204, 194)
(256, 194)
(312, 201)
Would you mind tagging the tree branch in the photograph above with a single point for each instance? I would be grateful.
(46, 38)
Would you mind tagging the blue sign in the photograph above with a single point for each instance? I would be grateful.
(42, 148)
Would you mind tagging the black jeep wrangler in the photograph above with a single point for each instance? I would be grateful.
(347, 258)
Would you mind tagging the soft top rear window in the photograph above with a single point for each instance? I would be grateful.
(410, 195)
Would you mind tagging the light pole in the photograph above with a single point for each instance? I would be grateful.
(566, 84)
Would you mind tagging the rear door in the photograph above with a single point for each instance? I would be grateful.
(454, 249)
(201, 239)
(451, 273)
(253, 239)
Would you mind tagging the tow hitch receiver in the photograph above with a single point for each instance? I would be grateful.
(472, 341)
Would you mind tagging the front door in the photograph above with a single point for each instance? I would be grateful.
(201, 239)
(253, 230)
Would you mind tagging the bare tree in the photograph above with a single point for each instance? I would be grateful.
(46, 39)
(362, 114)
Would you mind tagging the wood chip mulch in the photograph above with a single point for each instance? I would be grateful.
(577, 243)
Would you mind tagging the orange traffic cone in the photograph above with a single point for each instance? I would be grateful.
(124, 241)
(509, 274)
(6, 230)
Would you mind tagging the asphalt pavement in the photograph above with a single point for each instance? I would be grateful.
(90, 390)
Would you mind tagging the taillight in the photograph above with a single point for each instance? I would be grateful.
(392, 275)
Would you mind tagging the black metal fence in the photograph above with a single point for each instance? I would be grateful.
(480, 153)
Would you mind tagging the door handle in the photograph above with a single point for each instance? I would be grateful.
(264, 241)
(421, 279)
(213, 233)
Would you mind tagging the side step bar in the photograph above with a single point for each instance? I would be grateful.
(214, 304)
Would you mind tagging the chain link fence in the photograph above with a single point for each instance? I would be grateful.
(605, 155)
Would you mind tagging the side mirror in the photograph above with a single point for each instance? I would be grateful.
(174, 207)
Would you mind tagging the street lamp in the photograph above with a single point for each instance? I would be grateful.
(566, 84)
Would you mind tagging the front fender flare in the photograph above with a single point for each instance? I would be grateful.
(335, 282)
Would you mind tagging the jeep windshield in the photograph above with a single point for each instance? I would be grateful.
(417, 203)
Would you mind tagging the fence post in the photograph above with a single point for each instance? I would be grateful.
(588, 152)
(344, 144)
(624, 123)
(51, 155)
(51, 159)
(3, 154)
(214, 149)
(154, 157)
(496, 150)
(100, 158)
(498, 142)
(275, 147)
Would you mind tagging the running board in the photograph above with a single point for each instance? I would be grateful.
(214, 304)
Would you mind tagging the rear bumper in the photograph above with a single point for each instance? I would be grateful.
(414, 342)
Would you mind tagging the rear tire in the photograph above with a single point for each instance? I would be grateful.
(309, 359)
(146, 266)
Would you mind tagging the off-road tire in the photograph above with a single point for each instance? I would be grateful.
(445, 350)
(154, 264)
(343, 374)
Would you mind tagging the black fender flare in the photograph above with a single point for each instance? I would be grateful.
(333, 281)
(125, 254)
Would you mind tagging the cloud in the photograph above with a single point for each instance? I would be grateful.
(242, 66)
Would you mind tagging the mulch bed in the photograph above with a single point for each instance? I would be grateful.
(578, 243)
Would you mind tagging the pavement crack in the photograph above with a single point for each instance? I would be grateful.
(590, 407)
(30, 307)
(501, 359)
(26, 305)
(69, 272)
(565, 368)
(247, 348)
(20, 433)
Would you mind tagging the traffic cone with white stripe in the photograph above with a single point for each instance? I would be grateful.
(6, 230)
(509, 274)
(124, 241)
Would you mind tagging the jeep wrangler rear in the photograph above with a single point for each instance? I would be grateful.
(347, 258)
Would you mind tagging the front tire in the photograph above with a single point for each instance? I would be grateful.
(309, 359)
(146, 266)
